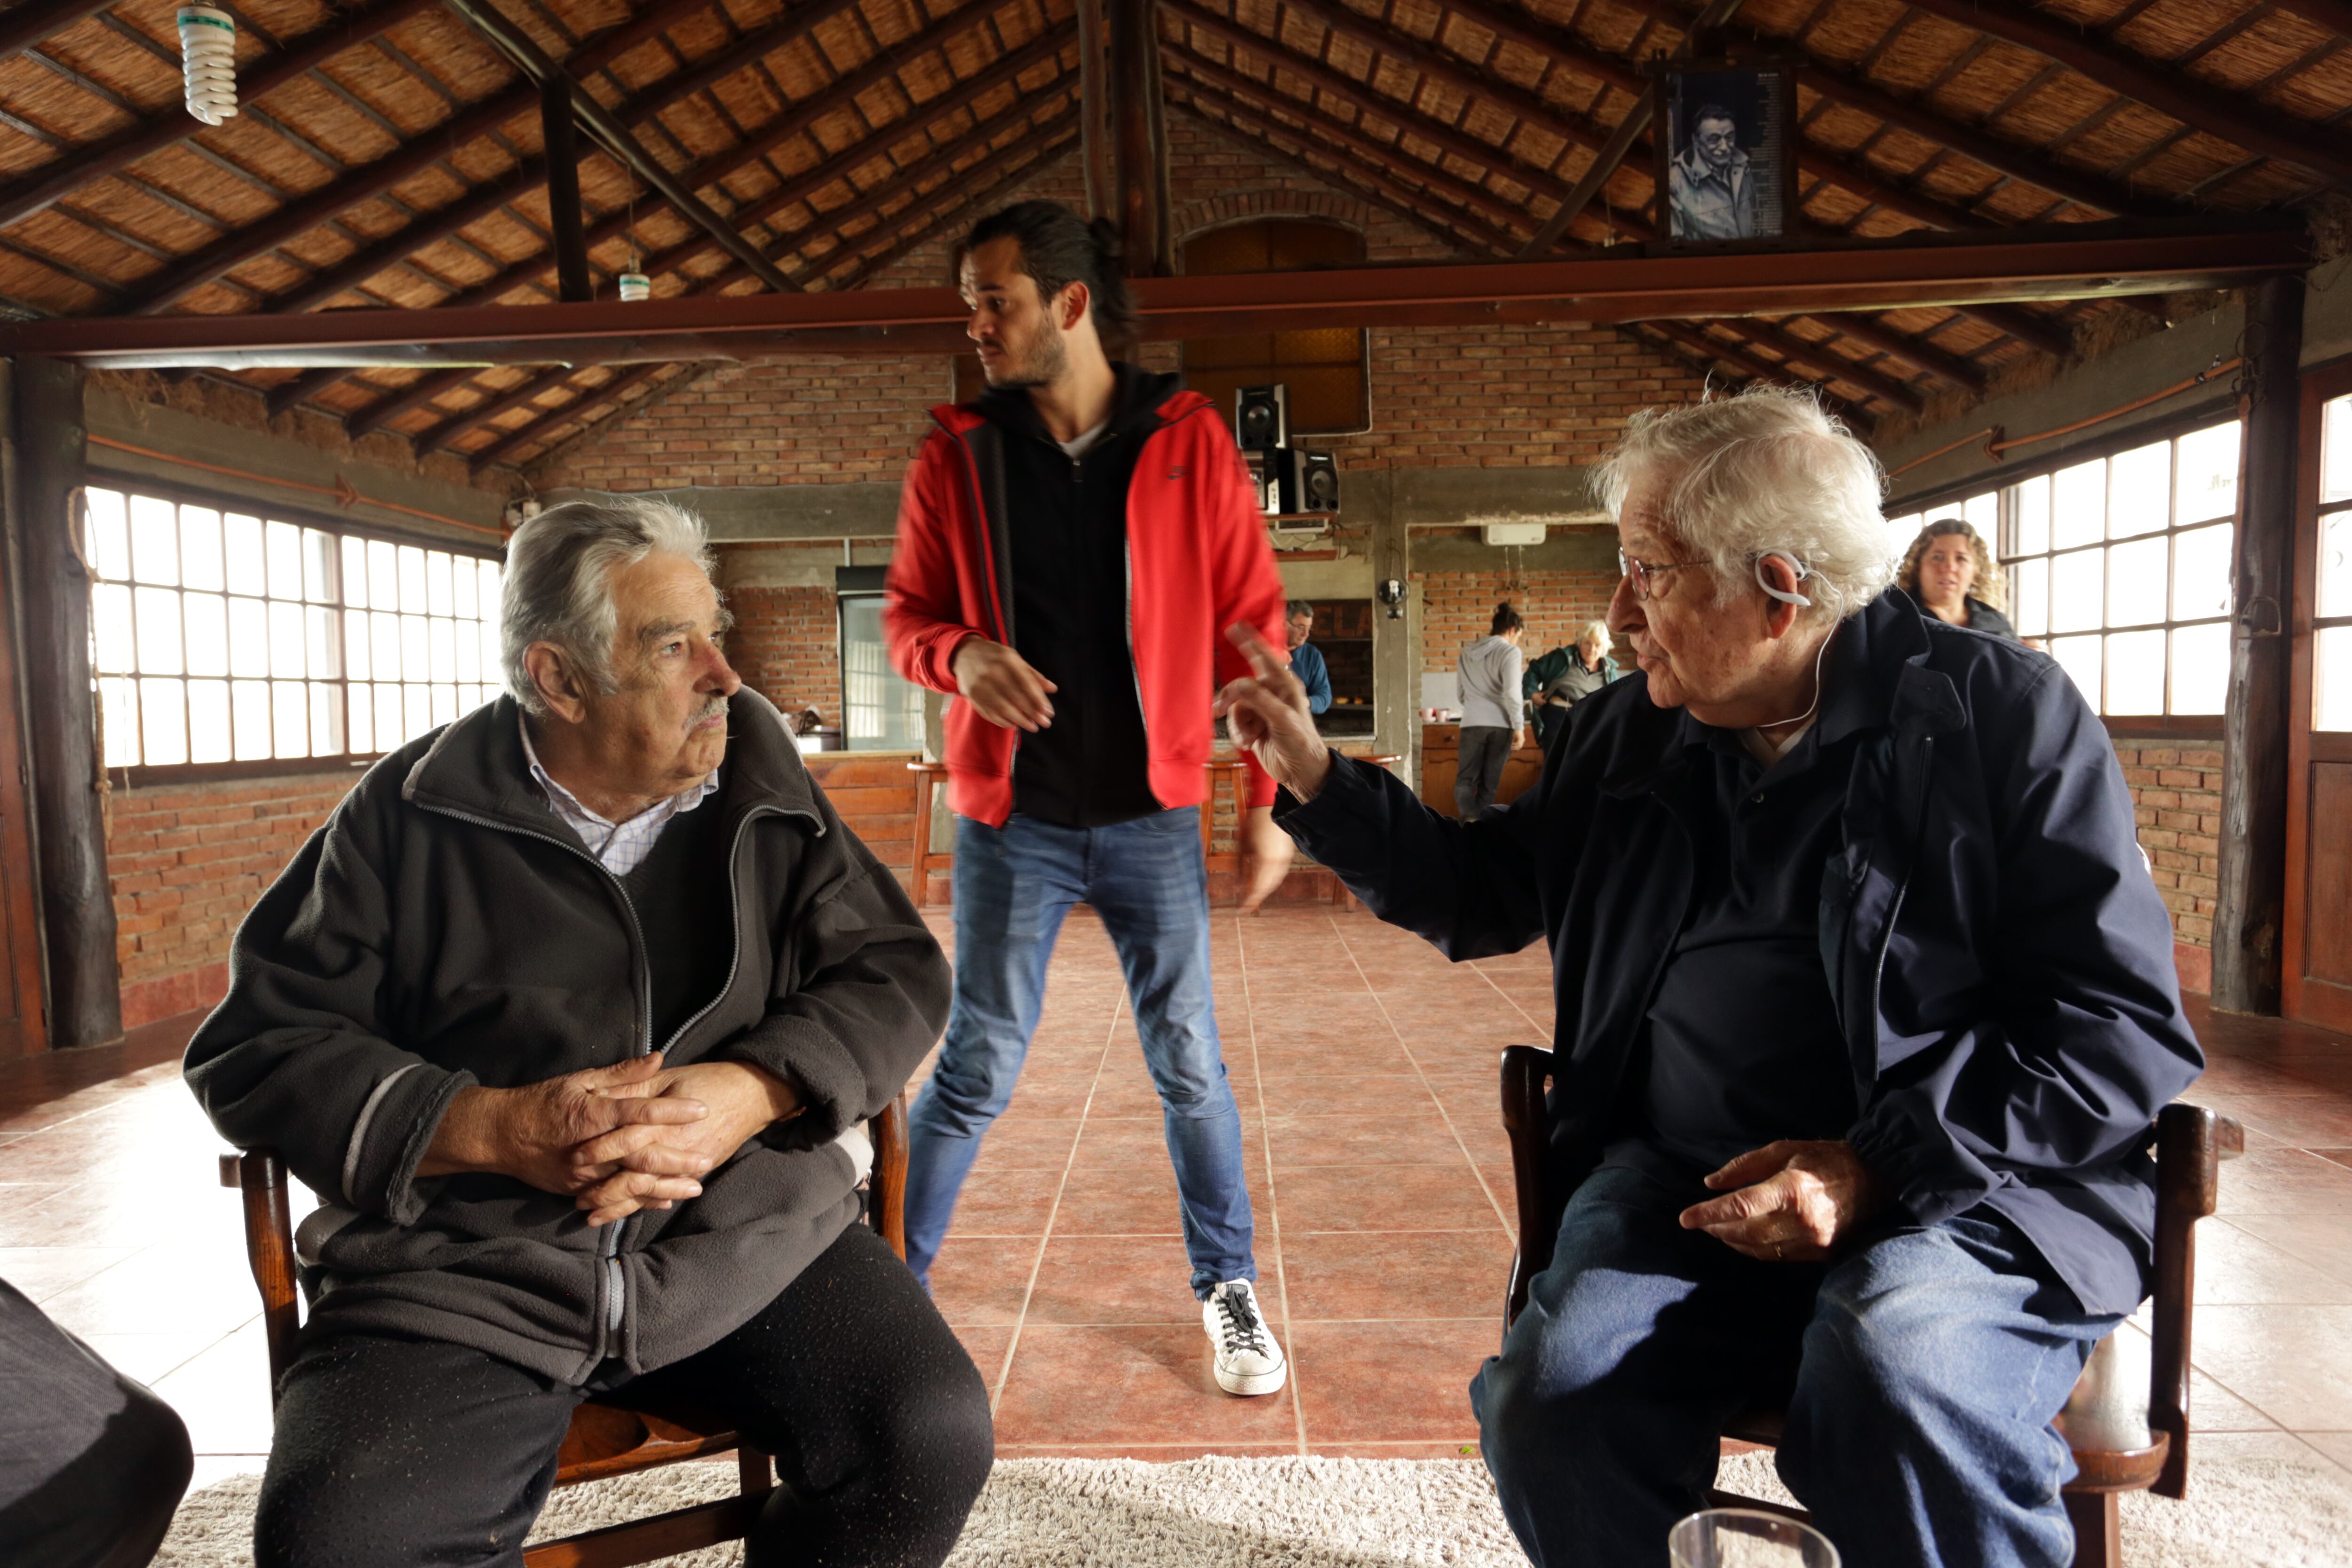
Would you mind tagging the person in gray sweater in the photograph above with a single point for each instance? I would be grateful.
(1493, 715)
(572, 1014)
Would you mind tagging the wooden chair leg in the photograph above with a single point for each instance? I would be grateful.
(759, 1471)
(2097, 1518)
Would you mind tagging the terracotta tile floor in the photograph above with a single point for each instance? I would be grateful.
(1364, 1066)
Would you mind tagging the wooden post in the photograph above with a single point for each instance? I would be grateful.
(1142, 127)
(564, 222)
(85, 1005)
(2252, 896)
(1094, 118)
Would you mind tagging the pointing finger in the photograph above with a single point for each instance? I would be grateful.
(1262, 658)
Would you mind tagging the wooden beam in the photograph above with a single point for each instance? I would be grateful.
(1139, 123)
(2249, 918)
(1097, 146)
(1735, 356)
(1834, 366)
(576, 409)
(30, 21)
(561, 159)
(2207, 106)
(1631, 282)
(1605, 164)
(78, 166)
(2334, 15)
(76, 896)
(1874, 332)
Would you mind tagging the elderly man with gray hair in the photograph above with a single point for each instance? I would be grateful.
(571, 1015)
(1865, 1006)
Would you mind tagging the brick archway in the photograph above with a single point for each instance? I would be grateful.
(1195, 218)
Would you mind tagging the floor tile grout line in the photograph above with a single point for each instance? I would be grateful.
(1052, 1212)
(1513, 1001)
(1444, 1115)
(1273, 1194)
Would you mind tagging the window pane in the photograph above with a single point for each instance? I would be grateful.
(383, 576)
(418, 701)
(2332, 669)
(414, 660)
(1984, 513)
(492, 671)
(163, 723)
(322, 642)
(246, 571)
(250, 699)
(355, 643)
(207, 628)
(2136, 589)
(317, 565)
(2135, 672)
(440, 598)
(383, 645)
(2029, 511)
(2081, 658)
(359, 707)
(200, 548)
(468, 648)
(326, 720)
(291, 703)
(2139, 491)
(287, 636)
(391, 729)
(118, 711)
(444, 703)
(464, 580)
(2200, 669)
(2076, 591)
(411, 580)
(248, 636)
(2336, 564)
(285, 541)
(492, 577)
(2028, 597)
(442, 638)
(2078, 503)
(109, 541)
(159, 631)
(2209, 473)
(2336, 452)
(2200, 572)
(208, 722)
(154, 540)
(355, 577)
(110, 629)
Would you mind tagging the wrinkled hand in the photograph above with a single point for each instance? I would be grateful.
(1795, 1199)
(1266, 851)
(534, 1134)
(1270, 720)
(629, 1172)
(1002, 685)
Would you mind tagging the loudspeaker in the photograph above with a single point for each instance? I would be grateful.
(1305, 481)
(1262, 417)
(1265, 483)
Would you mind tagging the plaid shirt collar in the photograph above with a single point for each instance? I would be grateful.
(619, 847)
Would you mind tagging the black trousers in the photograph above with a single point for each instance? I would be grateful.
(1478, 769)
(91, 1465)
(409, 1453)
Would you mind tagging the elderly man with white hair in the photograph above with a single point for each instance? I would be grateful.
(571, 1015)
(1865, 1006)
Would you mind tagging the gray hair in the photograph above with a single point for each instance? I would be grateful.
(1594, 631)
(1766, 470)
(558, 581)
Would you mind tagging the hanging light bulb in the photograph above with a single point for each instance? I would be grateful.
(208, 58)
(635, 286)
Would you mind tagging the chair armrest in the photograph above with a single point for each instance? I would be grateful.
(261, 1176)
(1527, 1124)
(2190, 1144)
(886, 1191)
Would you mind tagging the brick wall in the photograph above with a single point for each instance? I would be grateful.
(186, 863)
(786, 646)
(2176, 786)
(1458, 606)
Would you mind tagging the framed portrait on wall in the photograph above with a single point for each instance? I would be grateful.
(1728, 151)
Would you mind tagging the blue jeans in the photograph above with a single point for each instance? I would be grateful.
(1012, 887)
(1922, 1370)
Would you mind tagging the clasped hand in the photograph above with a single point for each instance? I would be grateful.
(616, 1139)
(1794, 1200)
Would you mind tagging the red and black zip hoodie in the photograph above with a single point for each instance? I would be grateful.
(1196, 562)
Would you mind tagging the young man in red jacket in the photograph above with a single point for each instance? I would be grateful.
(1071, 547)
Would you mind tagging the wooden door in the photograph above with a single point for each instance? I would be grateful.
(2316, 981)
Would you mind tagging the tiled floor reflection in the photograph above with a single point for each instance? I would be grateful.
(1364, 1066)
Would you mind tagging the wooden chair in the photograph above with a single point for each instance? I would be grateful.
(604, 1439)
(2125, 1438)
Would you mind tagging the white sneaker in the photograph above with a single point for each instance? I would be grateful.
(1248, 1359)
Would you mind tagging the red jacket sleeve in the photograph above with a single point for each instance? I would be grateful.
(923, 610)
(1248, 584)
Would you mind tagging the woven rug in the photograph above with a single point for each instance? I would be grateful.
(1343, 1513)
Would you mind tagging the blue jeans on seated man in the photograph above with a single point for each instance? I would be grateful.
(1922, 1368)
(1014, 886)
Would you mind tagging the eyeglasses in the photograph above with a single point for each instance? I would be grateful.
(1639, 572)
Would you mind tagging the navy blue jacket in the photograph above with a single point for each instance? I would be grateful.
(2000, 962)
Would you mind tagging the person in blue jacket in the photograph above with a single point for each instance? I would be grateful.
(1865, 1007)
(1306, 658)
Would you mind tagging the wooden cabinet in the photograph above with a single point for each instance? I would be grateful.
(1441, 747)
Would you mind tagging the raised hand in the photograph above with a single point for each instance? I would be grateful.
(1002, 687)
(1270, 717)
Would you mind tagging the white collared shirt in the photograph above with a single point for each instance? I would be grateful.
(619, 847)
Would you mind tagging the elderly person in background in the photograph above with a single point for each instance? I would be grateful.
(1565, 677)
(1951, 573)
(1865, 1009)
(571, 1014)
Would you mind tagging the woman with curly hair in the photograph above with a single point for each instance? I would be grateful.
(1951, 573)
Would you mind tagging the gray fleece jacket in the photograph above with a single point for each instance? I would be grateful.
(446, 928)
(1488, 685)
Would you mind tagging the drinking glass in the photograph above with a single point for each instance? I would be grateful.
(1747, 1538)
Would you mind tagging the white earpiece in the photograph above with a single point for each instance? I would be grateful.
(1797, 569)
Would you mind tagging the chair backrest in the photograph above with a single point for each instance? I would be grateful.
(261, 1176)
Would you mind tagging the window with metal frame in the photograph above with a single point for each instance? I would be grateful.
(2120, 566)
(2331, 649)
(225, 634)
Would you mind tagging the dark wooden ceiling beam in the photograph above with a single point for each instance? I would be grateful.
(2208, 106)
(1749, 365)
(30, 21)
(1874, 331)
(2334, 16)
(614, 387)
(1834, 366)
